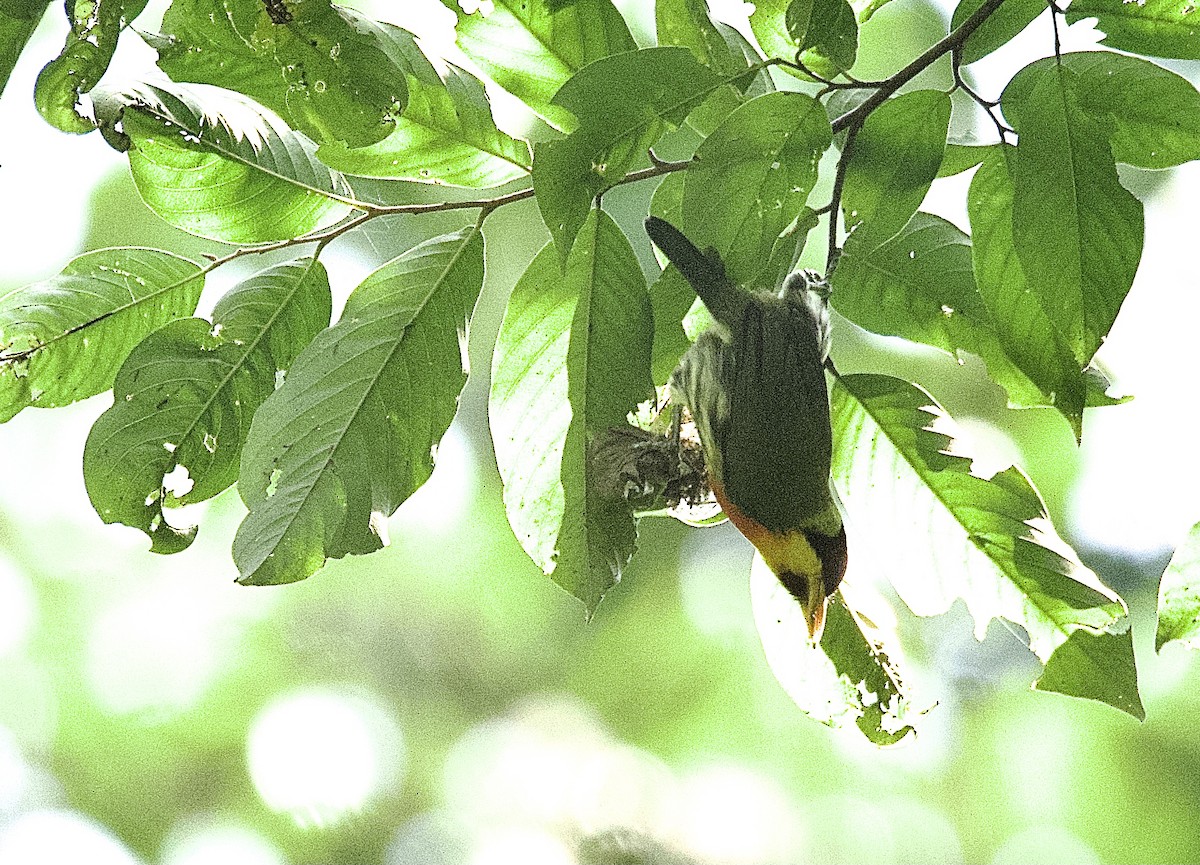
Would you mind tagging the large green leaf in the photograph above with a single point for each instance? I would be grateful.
(1025, 331)
(1154, 113)
(894, 159)
(213, 164)
(186, 394)
(624, 104)
(1001, 26)
(852, 677)
(670, 295)
(943, 532)
(824, 29)
(751, 179)
(531, 50)
(64, 338)
(325, 70)
(1179, 595)
(95, 28)
(352, 431)
(1160, 28)
(572, 359)
(1076, 229)
(447, 135)
(18, 20)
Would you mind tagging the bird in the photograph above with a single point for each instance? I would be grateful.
(754, 383)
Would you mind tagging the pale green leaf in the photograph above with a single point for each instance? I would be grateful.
(572, 359)
(95, 27)
(352, 431)
(213, 164)
(1152, 115)
(446, 135)
(1179, 595)
(185, 396)
(531, 50)
(1159, 28)
(893, 160)
(1077, 231)
(64, 338)
(852, 677)
(326, 70)
(945, 533)
(624, 104)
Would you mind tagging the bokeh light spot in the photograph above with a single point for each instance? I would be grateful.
(58, 837)
(17, 607)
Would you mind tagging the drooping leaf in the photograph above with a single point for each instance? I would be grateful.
(531, 50)
(1154, 113)
(1160, 28)
(963, 157)
(95, 27)
(750, 180)
(186, 394)
(998, 30)
(326, 70)
(895, 157)
(624, 104)
(850, 678)
(447, 135)
(1077, 231)
(572, 359)
(18, 20)
(1095, 667)
(768, 23)
(64, 338)
(1023, 328)
(945, 533)
(1179, 596)
(352, 431)
(827, 29)
(211, 163)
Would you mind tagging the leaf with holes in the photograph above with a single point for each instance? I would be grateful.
(949, 533)
(353, 429)
(572, 360)
(212, 163)
(64, 338)
(186, 394)
(530, 48)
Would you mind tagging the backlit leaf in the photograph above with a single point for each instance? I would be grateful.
(64, 338)
(1000, 27)
(1160, 28)
(1179, 595)
(18, 20)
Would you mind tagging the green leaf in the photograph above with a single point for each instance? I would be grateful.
(851, 678)
(186, 394)
(212, 164)
(944, 533)
(18, 20)
(1076, 229)
(751, 178)
(95, 27)
(64, 338)
(999, 29)
(1152, 115)
(827, 28)
(963, 157)
(894, 159)
(1179, 596)
(572, 359)
(352, 431)
(327, 71)
(447, 135)
(624, 105)
(768, 23)
(1025, 331)
(531, 50)
(1160, 28)
(670, 295)
(1096, 667)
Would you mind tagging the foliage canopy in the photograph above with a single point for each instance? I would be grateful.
(288, 124)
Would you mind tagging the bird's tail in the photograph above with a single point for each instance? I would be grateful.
(704, 271)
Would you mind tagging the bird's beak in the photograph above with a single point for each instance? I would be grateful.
(814, 613)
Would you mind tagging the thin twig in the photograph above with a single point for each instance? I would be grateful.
(835, 200)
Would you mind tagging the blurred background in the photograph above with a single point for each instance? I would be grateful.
(443, 702)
